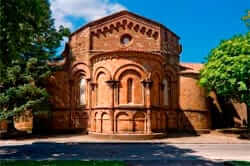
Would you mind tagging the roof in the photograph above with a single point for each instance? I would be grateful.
(124, 12)
(191, 68)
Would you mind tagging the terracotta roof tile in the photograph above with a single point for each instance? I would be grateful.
(191, 68)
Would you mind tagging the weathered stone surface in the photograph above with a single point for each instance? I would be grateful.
(134, 81)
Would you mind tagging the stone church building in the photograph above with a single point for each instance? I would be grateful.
(122, 75)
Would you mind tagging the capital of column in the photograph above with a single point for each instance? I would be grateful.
(88, 79)
(147, 83)
(93, 85)
(113, 83)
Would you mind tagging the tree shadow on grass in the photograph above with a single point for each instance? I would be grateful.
(151, 154)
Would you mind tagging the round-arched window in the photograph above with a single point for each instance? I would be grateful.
(130, 90)
(83, 91)
(166, 93)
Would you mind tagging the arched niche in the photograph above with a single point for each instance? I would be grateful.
(95, 121)
(80, 67)
(101, 70)
(130, 88)
(154, 121)
(170, 88)
(79, 89)
(159, 120)
(123, 123)
(105, 123)
(163, 120)
(139, 122)
(85, 119)
(166, 91)
(103, 92)
(136, 67)
(157, 123)
(82, 91)
(156, 89)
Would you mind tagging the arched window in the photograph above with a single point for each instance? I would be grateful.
(130, 81)
(130, 90)
(82, 92)
(166, 93)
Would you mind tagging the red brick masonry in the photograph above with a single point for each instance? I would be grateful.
(131, 80)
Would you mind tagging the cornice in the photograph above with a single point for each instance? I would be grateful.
(127, 54)
(119, 14)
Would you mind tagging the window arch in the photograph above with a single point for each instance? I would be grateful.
(130, 82)
(130, 90)
(102, 89)
(82, 91)
(155, 90)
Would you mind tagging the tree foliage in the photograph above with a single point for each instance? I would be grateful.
(246, 19)
(227, 70)
(28, 40)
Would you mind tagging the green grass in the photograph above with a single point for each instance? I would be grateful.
(61, 163)
(239, 163)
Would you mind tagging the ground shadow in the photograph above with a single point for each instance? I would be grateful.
(132, 153)
(226, 114)
(182, 133)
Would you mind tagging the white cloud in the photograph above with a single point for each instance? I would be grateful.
(87, 9)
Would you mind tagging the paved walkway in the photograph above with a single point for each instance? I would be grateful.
(147, 152)
(212, 138)
(207, 149)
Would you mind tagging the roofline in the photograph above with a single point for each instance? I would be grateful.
(126, 51)
(118, 14)
(191, 70)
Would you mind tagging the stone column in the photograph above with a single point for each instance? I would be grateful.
(116, 103)
(88, 103)
(89, 94)
(113, 85)
(92, 93)
(116, 94)
(147, 86)
(149, 119)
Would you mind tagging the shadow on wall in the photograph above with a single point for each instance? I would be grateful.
(193, 123)
(227, 114)
(184, 123)
(137, 152)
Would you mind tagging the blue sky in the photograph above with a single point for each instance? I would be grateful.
(200, 24)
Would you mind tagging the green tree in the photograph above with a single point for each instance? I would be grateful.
(246, 19)
(28, 40)
(227, 70)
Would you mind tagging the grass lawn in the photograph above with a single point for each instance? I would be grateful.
(61, 163)
(239, 163)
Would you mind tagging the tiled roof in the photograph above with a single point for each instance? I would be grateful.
(191, 68)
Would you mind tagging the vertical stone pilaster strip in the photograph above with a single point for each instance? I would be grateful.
(112, 85)
(149, 120)
(88, 98)
(91, 95)
(116, 93)
(112, 109)
(144, 94)
(148, 84)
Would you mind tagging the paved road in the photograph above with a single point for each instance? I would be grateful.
(161, 153)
